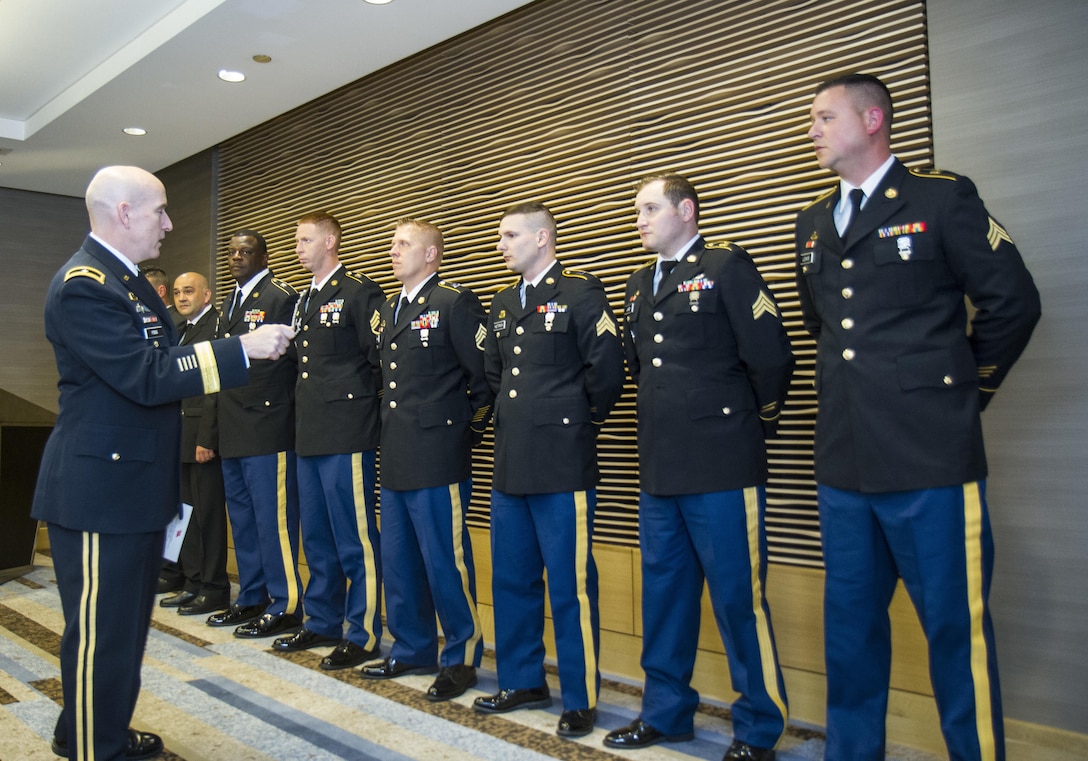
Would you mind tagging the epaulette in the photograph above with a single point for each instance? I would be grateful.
(85, 271)
(353, 276)
(721, 244)
(455, 287)
(512, 284)
(936, 174)
(648, 265)
(284, 287)
(821, 197)
(577, 274)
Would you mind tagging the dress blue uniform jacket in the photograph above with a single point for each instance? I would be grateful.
(900, 378)
(339, 376)
(556, 365)
(112, 462)
(435, 402)
(712, 363)
(259, 419)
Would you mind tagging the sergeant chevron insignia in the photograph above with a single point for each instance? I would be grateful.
(764, 305)
(481, 334)
(997, 234)
(375, 322)
(606, 324)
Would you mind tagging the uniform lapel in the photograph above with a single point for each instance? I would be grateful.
(685, 269)
(884, 202)
(413, 308)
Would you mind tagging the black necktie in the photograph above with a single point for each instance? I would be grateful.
(665, 267)
(237, 302)
(526, 292)
(857, 195)
(402, 305)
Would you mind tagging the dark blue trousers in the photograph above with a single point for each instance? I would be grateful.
(427, 568)
(107, 589)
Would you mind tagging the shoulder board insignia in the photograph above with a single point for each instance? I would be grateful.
(650, 265)
(284, 287)
(353, 276)
(576, 273)
(84, 271)
(822, 197)
(511, 285)
(455, 287)
(933, 174)
(720, 244)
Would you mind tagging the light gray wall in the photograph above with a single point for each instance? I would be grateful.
(1010, 110)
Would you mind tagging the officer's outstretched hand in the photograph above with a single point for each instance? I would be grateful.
(267, 341)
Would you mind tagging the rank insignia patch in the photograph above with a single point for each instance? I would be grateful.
(764, 305)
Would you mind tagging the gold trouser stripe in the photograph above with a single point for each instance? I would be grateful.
(457, 526)
(362, 520)
(286, 555)
(88, 628)
(581, 560)
(767, 659)
(980, 672)
(209, 367)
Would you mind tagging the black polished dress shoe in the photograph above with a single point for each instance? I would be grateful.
(236, 614)
(169, 585)
(176, 601)
(303, 639)
(268, 625)
(391, 668)
(205, 602)
(348, 655)
(508, 700)
(451, 682)
(140, 745)
(639, 734)
(739, 751)
(576, 723)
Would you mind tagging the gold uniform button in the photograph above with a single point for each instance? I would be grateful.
(848, 293)
(847, 264)
(393, 405)
(659, 338)
(393, 347)
(305, 359)
(517, 350)
(305, 376)
(566, 421)
(659, 316)
(847, 323)
(305, 344)
(727, 411)
(947, 380)
(520, 330)
(392, 365)
(305, 327)
(515, 371)
(392, 384)
(449, 422)
(848, 354)
(115, 456)
(656, 362)
(226, 335)
(267, 403)
(513, 393)
(351, 396)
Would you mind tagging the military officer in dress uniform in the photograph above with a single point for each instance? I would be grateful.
(901, 380)
(435, 406)
(203, 558)
(108, 483)
(257, 445)
(554, 359)
(337, 440)
(705, 344)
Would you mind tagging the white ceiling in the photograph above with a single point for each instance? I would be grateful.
(74, 73)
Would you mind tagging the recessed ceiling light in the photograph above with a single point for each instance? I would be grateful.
(135, 131)
(378, 2)
(231, 76)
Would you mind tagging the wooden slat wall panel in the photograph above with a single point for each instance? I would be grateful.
(570, 102)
